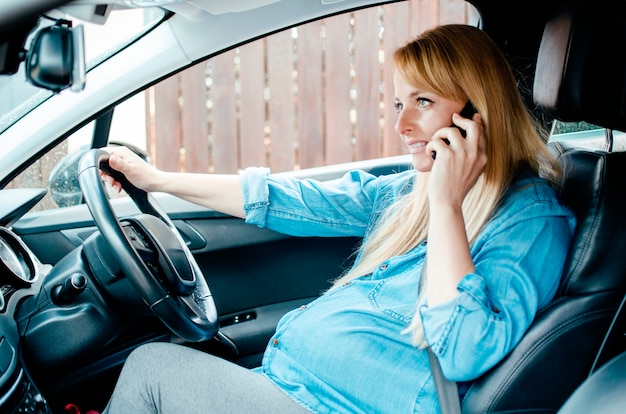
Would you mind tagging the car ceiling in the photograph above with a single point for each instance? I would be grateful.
(16, 14)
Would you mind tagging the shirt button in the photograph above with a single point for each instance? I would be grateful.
(496, 310)
(275, 342)
(383, 266)
(303, 307)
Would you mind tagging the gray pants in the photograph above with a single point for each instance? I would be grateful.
(165, 378)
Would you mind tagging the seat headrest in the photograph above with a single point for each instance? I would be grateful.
(581, 64)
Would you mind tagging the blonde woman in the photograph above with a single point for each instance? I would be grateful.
(479, 203)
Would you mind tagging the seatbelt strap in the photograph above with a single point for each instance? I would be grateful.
(447, 391)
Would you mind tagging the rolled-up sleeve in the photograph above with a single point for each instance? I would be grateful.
(255, 194)
(517, 272)
(304, 207)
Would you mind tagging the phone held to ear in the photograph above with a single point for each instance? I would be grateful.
(468, 112)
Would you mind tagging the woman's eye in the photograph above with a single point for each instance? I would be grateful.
(423, 102)
(398, 106)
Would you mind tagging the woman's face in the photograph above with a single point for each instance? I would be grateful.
(420, 115)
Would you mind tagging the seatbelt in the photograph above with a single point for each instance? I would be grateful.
(447, 391)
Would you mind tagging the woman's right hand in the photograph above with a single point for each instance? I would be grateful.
(141, 174)
(220, 192)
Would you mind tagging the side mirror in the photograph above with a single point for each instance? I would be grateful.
(63, 181)
(56, 58)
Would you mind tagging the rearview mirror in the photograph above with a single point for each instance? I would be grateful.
(56, 58)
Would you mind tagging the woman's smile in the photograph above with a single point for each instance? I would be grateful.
(415, 146)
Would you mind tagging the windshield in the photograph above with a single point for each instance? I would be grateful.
(121, 28)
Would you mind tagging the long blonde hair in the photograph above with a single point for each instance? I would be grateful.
(459, 62)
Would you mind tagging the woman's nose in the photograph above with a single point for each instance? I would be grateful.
(403, 123)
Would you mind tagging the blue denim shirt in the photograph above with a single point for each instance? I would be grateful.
(345, 352)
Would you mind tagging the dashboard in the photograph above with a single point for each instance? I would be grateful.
(20, 274)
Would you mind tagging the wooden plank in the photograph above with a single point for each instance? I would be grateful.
(368, 83)
(223, 117)
(452, 11)
(252, 112)
(150, 123)
(280, 66)
(307, 128)
(195, 126)
(310, 100)
(425, 15)
(166, 124)
(396, 19)
(338, 129)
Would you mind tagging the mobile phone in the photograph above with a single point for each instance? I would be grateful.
(468, 111)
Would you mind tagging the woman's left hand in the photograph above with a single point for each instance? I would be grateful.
(459, 163)
(454, 172)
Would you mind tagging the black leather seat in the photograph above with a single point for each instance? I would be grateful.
(576, 81)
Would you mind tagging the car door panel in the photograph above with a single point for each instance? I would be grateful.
(257, 275)
(248, 266)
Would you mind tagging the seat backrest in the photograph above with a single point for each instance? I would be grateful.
(593, 185)
(558, 351)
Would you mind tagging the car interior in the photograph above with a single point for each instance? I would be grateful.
(67, 328)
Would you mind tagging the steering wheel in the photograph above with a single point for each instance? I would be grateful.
(151, 253)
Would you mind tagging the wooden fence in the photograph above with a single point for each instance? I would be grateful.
(317, 94)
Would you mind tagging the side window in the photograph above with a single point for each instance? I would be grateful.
(56, 172)
(288, 101)
(295, 99)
